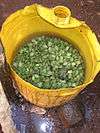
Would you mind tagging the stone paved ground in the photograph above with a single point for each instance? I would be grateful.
(82, 115)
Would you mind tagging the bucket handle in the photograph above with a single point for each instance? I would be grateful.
(98, 59)
(97, 53)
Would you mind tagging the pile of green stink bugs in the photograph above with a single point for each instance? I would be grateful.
(49, 63)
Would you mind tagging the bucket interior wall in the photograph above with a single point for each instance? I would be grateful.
(23, 27)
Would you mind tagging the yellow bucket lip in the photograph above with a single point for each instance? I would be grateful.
(51, 90)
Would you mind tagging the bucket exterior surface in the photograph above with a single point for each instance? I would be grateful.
(34, 20)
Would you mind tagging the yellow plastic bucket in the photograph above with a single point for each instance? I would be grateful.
(36, 19)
